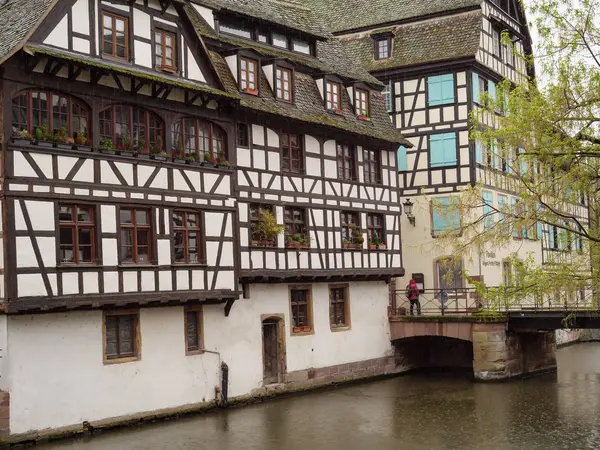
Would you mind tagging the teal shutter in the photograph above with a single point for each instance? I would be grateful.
(440, 89)
(444, 219)
(478, 153)
(551, 240)
(501, 205)
(475, 85)
(539, 226)
(442, 150)
(516, 230)
(447, 88)
(402, 159)
(488, 219)
(522, 161)
(492, 90)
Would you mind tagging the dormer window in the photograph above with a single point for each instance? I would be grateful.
(283, 84)
(279, 40)
(248, 74)
(164, 50)
(361, 103)
(383, 47)
(333, 97)
(301, 46)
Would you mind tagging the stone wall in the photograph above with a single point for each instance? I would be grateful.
(500, 354)
(433, 352)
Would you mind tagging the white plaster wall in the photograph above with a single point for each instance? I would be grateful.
(77, 386)
(143, 53)
(59, 36)
(194, 71)
(80, 12)
(206, 14)
(232, 63)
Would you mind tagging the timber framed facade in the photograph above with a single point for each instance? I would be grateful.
(142, 141)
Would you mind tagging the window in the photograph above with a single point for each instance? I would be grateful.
(388, 98)
(255, 214)
(248, 77)
(375, 230)
(136, 236)
(187, 237)
(350, 225)
(165, 57)
(242, 134)
(382, 48)
(402, 159)
(445, 216)
(339, 311)
(291, 153)
(506, 273)
(199, 137)
(372, 166)
(440, 89)
(300, 302)
(449, 274)
(479, 86)
(502, 205)
(279, 40)
(509, 55)
(361, 102)
(76, 234)
(121, 336)
(194, 341)
(236, 29)
(488, 210)
(126, 126)
(301, 46)
(283, 84)
(496, 43)
(115, 36)
(346, 161)
(442, 150)
(333, 96)
(294, 220)
(33, 109)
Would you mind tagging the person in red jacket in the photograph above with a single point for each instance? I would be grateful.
(412, 293)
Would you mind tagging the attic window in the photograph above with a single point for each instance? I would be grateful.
(248, 74)
(383, 46)
(301, 46)
(361, 103)
(235, 29)
(279, 40)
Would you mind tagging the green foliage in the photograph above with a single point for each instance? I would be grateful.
(107, 144)
(267, 228)
(24, 134)
(39, 134)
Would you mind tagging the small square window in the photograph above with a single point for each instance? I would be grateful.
(283, 84)
(361, 103)
(292, 157)
(333, 97)
(382, 48)
(280, 40)
(121, 336)
(165, 56)
(339, 308)
(248, 80)
(242, 134)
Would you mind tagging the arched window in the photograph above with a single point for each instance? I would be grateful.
(32, 109)
(126, 125)
(196, 136)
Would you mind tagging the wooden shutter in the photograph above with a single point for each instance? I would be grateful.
(402, 159)
(478, 153)
(475, 85)
(111, 337)
(434, 90)
(492, 90)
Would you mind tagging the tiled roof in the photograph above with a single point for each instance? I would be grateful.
(331, 56)
(295, 14)
(428, 41)
(308, 106)
(17, 19)
(344, 15)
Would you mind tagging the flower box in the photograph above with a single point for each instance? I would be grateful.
(296, 244)
(381, 247)
(46, 144)
(337, 112)
(179, 160)
(359, 117)
(143, 155)
(63, 146)
(262, 244)
(301, 329)
(125, 153)
(377, 247)
(107, 151)
(83, 148)
(19, 141)
(159, 157)
(353, 246)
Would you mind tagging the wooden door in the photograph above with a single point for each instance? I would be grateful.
(270, 329)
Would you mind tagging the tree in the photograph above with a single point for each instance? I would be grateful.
(540, 140)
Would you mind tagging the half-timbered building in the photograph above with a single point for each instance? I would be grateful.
(199, 199)
(440, 60)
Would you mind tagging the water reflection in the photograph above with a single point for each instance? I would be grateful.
(558, 411)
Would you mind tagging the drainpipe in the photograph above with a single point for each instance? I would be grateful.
(221, 391)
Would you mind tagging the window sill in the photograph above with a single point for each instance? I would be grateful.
(336, 112)
(337, 329)
(129, 359)
(124, 265)
(194, 352)
(77, 266)
(190, 265)
(293, 172)
(364, 118)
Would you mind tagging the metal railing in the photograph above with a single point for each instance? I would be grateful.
(466, 301)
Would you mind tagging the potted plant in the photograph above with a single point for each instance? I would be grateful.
(191, 158)
(106, 146)
(62, 139)
(81, 141)
(125, 147)
(297, 241)
(206, 161)
(375, 243)
(267, 229)
(357, 240)
(44, 137)
(361, 117)
(222, 162)
(158, 153)
(336, 111)
(142, 151)
(179, 157)
(23, 138)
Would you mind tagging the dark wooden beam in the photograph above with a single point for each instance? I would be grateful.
(74, 72)
(118, 81)
(228, 306)
(57, 66)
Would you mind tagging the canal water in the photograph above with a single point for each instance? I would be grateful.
(414, 412)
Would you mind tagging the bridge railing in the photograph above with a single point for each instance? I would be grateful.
(465, 301)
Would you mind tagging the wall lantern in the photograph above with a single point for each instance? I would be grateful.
(408, 207)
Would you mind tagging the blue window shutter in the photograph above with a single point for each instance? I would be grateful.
(475, 84)
(402, 159)
(488, 220)
(551, 243)
(522, 162)
(539, 226)
(513, 204)
(440, 217)
(492, 90)
(442, 150)
(434, 90)
(447, 88)
(501, 205)
(478, 153)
